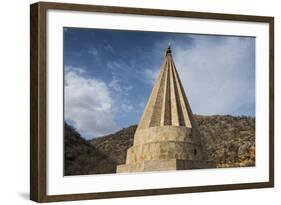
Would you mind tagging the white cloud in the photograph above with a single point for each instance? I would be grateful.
(118, 85)
(77, 70)
(93, 52)
(120, 93)
(88, 103)
(108, 47)
(126, 107)
(115, 84)
(151, 75)
(218, 76)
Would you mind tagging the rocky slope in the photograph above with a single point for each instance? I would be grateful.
(116, 145)
(228, 140)
(80, 157)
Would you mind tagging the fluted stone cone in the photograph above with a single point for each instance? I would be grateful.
(167, 137)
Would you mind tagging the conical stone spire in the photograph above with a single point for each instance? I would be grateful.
(167, 137)
(167, 104)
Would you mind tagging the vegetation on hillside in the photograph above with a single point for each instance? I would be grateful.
(80, 157)
(228, 140)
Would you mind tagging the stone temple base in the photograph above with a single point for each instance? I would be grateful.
(165, 165)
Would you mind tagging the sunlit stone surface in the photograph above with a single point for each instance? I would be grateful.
(167, 137)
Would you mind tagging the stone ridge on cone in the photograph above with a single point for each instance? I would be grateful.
(167, 137)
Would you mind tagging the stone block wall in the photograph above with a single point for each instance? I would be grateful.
(165, 143)
(164, 151)
(166, 133)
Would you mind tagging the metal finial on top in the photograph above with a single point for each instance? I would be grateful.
(168, 50)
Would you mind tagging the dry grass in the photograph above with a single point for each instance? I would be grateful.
(228, 140)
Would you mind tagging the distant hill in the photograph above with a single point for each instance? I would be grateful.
(116, 145)
(80, 157)
(228, 140)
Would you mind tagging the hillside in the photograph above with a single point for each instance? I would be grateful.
(116, 145)
(228, 140)
(80, 157)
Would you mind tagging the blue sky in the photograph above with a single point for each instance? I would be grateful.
(109, 75)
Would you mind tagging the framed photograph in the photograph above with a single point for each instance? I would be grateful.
(135, 102)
